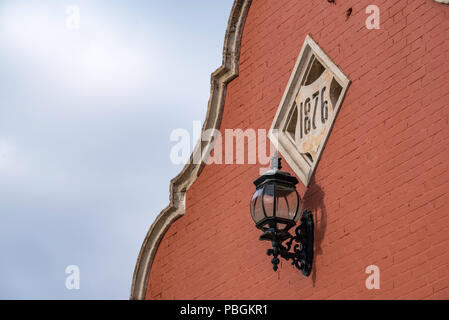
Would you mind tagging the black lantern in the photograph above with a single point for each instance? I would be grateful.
(275, 208)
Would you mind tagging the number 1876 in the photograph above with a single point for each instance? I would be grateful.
(308, 111)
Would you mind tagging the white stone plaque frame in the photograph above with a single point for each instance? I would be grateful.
(312, 59)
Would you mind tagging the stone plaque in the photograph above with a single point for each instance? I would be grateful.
(308, 109)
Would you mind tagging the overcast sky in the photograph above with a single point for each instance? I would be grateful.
(86, 110)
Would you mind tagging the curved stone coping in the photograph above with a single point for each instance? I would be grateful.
(181, 183)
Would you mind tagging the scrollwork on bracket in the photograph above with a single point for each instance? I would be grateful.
(302, 255)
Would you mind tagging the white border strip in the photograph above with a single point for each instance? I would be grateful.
(181, 183)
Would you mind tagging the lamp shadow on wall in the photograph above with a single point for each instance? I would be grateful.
(314, 201)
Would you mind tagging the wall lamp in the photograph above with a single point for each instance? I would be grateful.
(275, 209)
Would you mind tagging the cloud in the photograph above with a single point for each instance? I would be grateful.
(85, 120)
(6, 156)
(94, 60)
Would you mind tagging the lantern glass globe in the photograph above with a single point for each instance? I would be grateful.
(275, 201)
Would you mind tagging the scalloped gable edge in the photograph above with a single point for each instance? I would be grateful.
(181, 183)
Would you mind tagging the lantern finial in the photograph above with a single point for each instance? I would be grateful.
(276, 161)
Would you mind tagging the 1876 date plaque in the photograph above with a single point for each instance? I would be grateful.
(308, 109)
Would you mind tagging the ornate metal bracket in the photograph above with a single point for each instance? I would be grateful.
(302, 255)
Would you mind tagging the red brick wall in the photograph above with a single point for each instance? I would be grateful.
(381, 191)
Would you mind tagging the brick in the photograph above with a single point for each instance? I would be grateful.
(381, 190)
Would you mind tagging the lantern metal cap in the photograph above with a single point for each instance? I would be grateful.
(275, 174)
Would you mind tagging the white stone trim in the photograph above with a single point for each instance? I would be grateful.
(181, 183)
(303, 167)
